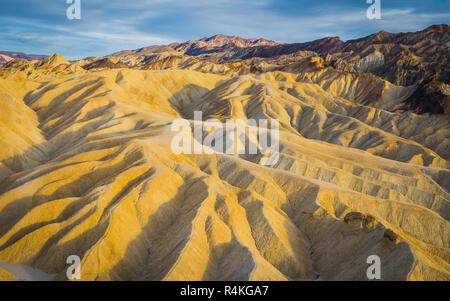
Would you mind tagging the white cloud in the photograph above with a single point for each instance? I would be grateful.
(109, 26)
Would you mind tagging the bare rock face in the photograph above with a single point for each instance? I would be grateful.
(409, 58)
(219, 43)
(430, 97)
(389, 234)
(352, 216)
(321, 46)
(367, 221)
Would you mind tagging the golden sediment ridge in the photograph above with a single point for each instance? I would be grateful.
(86, 169)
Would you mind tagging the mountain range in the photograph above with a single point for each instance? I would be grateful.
(406, 59)
(6, 56)
(403, 58)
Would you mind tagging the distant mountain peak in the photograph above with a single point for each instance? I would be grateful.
(247, 42)
(21, 55)
(218, 36)
(438, 27)
(221, 42)
(54, 60)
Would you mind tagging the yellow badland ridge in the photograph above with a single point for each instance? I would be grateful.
(86, 169)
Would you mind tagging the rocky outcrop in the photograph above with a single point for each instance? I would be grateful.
(219, 43)
(430, 97)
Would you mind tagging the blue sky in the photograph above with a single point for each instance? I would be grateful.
(106, 26)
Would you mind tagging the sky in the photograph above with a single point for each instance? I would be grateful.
(107, 26)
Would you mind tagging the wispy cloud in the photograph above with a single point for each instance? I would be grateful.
(111, 25)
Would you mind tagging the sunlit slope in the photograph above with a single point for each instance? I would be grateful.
(21, 141)
(97, 178)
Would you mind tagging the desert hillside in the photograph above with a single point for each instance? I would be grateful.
(86, 168)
